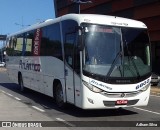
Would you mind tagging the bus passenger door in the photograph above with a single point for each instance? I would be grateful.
(69, 66)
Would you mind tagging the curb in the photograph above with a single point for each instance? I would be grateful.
(2, 69)
(155, 91)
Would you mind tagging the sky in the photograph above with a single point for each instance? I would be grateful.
(16, 13)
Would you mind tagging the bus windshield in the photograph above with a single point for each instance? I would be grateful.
(116, 51)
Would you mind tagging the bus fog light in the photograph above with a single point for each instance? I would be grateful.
(90, 100)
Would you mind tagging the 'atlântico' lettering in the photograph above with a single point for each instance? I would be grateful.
(29, 66)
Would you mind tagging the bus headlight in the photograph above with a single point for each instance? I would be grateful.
(145, 88)
(92, 87)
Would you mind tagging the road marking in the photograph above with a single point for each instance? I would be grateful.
(3, 91)
(147, 110)
(65, 122)
(39, 109)
(17, 98)
(9, 94)
(154, 96)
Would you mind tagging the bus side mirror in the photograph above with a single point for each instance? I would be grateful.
(80, 38)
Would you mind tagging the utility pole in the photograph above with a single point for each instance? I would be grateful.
(79, 2)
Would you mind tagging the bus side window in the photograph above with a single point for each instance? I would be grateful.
(29, 42)
(18, 45)
(72, 55)
(69, 49)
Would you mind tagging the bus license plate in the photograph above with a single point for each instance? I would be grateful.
(121, 102)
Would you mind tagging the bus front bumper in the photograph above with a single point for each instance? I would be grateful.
(98, 101)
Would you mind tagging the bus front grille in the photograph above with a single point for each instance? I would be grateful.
(120, 95)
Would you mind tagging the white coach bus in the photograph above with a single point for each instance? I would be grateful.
(91, 61)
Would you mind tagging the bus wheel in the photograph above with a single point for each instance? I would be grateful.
(22, 89)
(59, 96)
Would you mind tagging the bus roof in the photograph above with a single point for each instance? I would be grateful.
(89, 18)
(105, 20)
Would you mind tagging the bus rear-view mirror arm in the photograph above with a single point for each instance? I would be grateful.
(80, 38)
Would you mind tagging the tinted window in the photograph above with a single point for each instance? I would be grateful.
(15, 45)
(51, 41)
(10, 46)
(70, 36)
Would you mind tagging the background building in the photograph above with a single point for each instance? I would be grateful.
(147, 11)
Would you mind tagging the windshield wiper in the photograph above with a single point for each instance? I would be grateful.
(113, 64)
(120, 54)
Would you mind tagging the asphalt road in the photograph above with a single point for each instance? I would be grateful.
(43, 108)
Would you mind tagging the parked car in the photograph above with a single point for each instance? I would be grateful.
(155, 79)
(2, 64)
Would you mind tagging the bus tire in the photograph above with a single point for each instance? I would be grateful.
(59, 96)
(20, 79)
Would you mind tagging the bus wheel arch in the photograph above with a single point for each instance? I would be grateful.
(58, 93)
